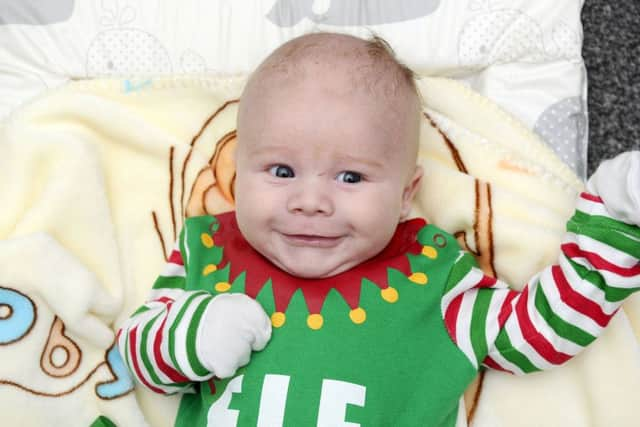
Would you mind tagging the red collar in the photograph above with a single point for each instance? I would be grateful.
(241, 257)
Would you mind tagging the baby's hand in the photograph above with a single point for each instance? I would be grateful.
(617, 182)
(232, 326)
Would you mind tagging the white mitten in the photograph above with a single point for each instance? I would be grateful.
(617, 182)
(232, 326)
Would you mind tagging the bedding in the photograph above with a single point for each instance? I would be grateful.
(101, 101)
(95, 202)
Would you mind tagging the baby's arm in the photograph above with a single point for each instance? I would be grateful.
(179, 337)
(566, 306)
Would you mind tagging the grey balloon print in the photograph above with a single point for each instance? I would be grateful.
(126, 51)
(510, 35)
(287, 13)
(35, 12)
(123, 51)
(499, 37)
(563, 127)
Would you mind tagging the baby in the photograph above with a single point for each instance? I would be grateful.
(377, 320)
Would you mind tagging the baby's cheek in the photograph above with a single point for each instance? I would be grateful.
(376, 217)
(256, 203)
(245, 193)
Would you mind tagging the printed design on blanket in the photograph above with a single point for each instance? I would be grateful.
(60, 357)
(212, 190)
(121, 383)
(17, 315)
(483, 238)
(482, 224)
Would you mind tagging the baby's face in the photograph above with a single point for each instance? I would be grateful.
(322, 178)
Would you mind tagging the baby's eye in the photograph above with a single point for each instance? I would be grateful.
(281, 171)
(349, 177)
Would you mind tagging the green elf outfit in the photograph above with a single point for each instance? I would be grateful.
(393, 341)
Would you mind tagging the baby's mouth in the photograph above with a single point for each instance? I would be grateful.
(312, 240)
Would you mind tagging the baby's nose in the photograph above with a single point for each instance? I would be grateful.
(311, 200)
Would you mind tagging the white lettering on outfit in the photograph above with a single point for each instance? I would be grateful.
(334, 398)
(273, 400)
(219, 414)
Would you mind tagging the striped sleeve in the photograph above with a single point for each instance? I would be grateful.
(560, 311)
(158, 341)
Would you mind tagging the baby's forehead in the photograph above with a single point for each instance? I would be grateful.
(347, 63)
(357, 74)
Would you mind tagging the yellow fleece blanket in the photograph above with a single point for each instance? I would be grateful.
(97, 177)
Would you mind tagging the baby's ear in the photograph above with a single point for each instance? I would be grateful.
(409, 192)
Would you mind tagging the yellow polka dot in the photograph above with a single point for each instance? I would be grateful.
(419, 278)
(222, 286)
(209, 269)
(429, 252)
(358, 315)
(389, 294)
(314, 321)
(207, 240)
(278, 318)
